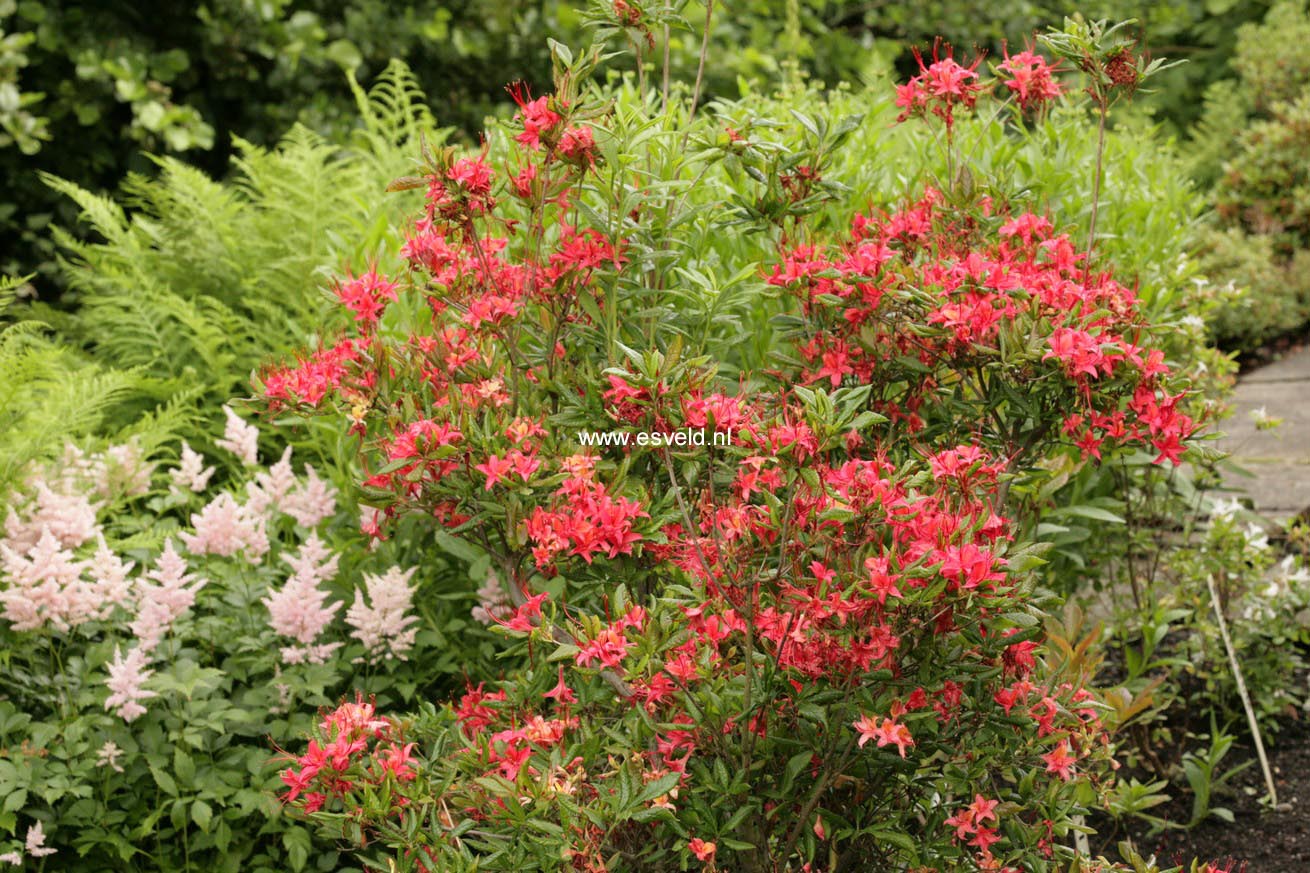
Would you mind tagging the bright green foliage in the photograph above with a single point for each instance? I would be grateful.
(1251, 141)
(189, 79)
(1227, 108)
(1270, 57)
(1271, 67)
(18, 125)
(194, 278)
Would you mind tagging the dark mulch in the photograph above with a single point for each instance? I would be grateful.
(1266, 841)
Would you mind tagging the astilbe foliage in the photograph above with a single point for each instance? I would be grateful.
(816, 639)
(137, 640)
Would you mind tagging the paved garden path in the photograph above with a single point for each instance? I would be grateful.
(1278, 459)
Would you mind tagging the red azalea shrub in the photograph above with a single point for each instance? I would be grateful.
(813, 643)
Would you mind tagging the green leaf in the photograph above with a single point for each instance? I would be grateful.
(202, 815)
(164, 781)
(658, 788)
(1095, 513)
(16, 801)
(296, 842)
(900, 840)
(184, 768)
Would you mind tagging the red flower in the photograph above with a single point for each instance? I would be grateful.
(297, 781)
(888, 732)
(397, 760)
(704, 851)
(939, 87)
(366, 296)
(578, 144)
(1060, 761)
(537, 117)
(882, 582)
(609, 647)
(561, 693)
(527, 616)
(1031, 79)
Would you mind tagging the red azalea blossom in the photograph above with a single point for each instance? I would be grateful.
(704, 851)
(939, 87)
(1032, 79)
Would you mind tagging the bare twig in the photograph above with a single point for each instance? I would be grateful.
(1241, 691)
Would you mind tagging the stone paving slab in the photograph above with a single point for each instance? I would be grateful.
(1278, 459)
(1278, 489)
(1289, 401)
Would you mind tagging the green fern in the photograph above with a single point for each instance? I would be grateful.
(49, 393)
(191, 282)
(394, 111)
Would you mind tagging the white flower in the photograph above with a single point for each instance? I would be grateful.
(1224, 510)
(1263, 420)
(108, 756)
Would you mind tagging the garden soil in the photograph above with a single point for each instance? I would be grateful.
(1258, 840)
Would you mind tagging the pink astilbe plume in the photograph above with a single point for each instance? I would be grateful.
(383, 627)
(225, 527)
(300, 609)
(34, 846)
(270, 490)
(123, 470)
(191, 474)
(35, 842)
(109, 582)
(70, 517)
(493, 602)
(159, 605)
(312, 502)
(240, 438)
(44, 585)
(126, 678)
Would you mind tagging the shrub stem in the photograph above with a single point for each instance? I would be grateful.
(1103, 111)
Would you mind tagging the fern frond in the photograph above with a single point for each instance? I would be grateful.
(394, 111)
(101, 212)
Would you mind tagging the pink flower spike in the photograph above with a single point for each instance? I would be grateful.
(240, 438)
(383, 627)
(35, 842)
(126, 678)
